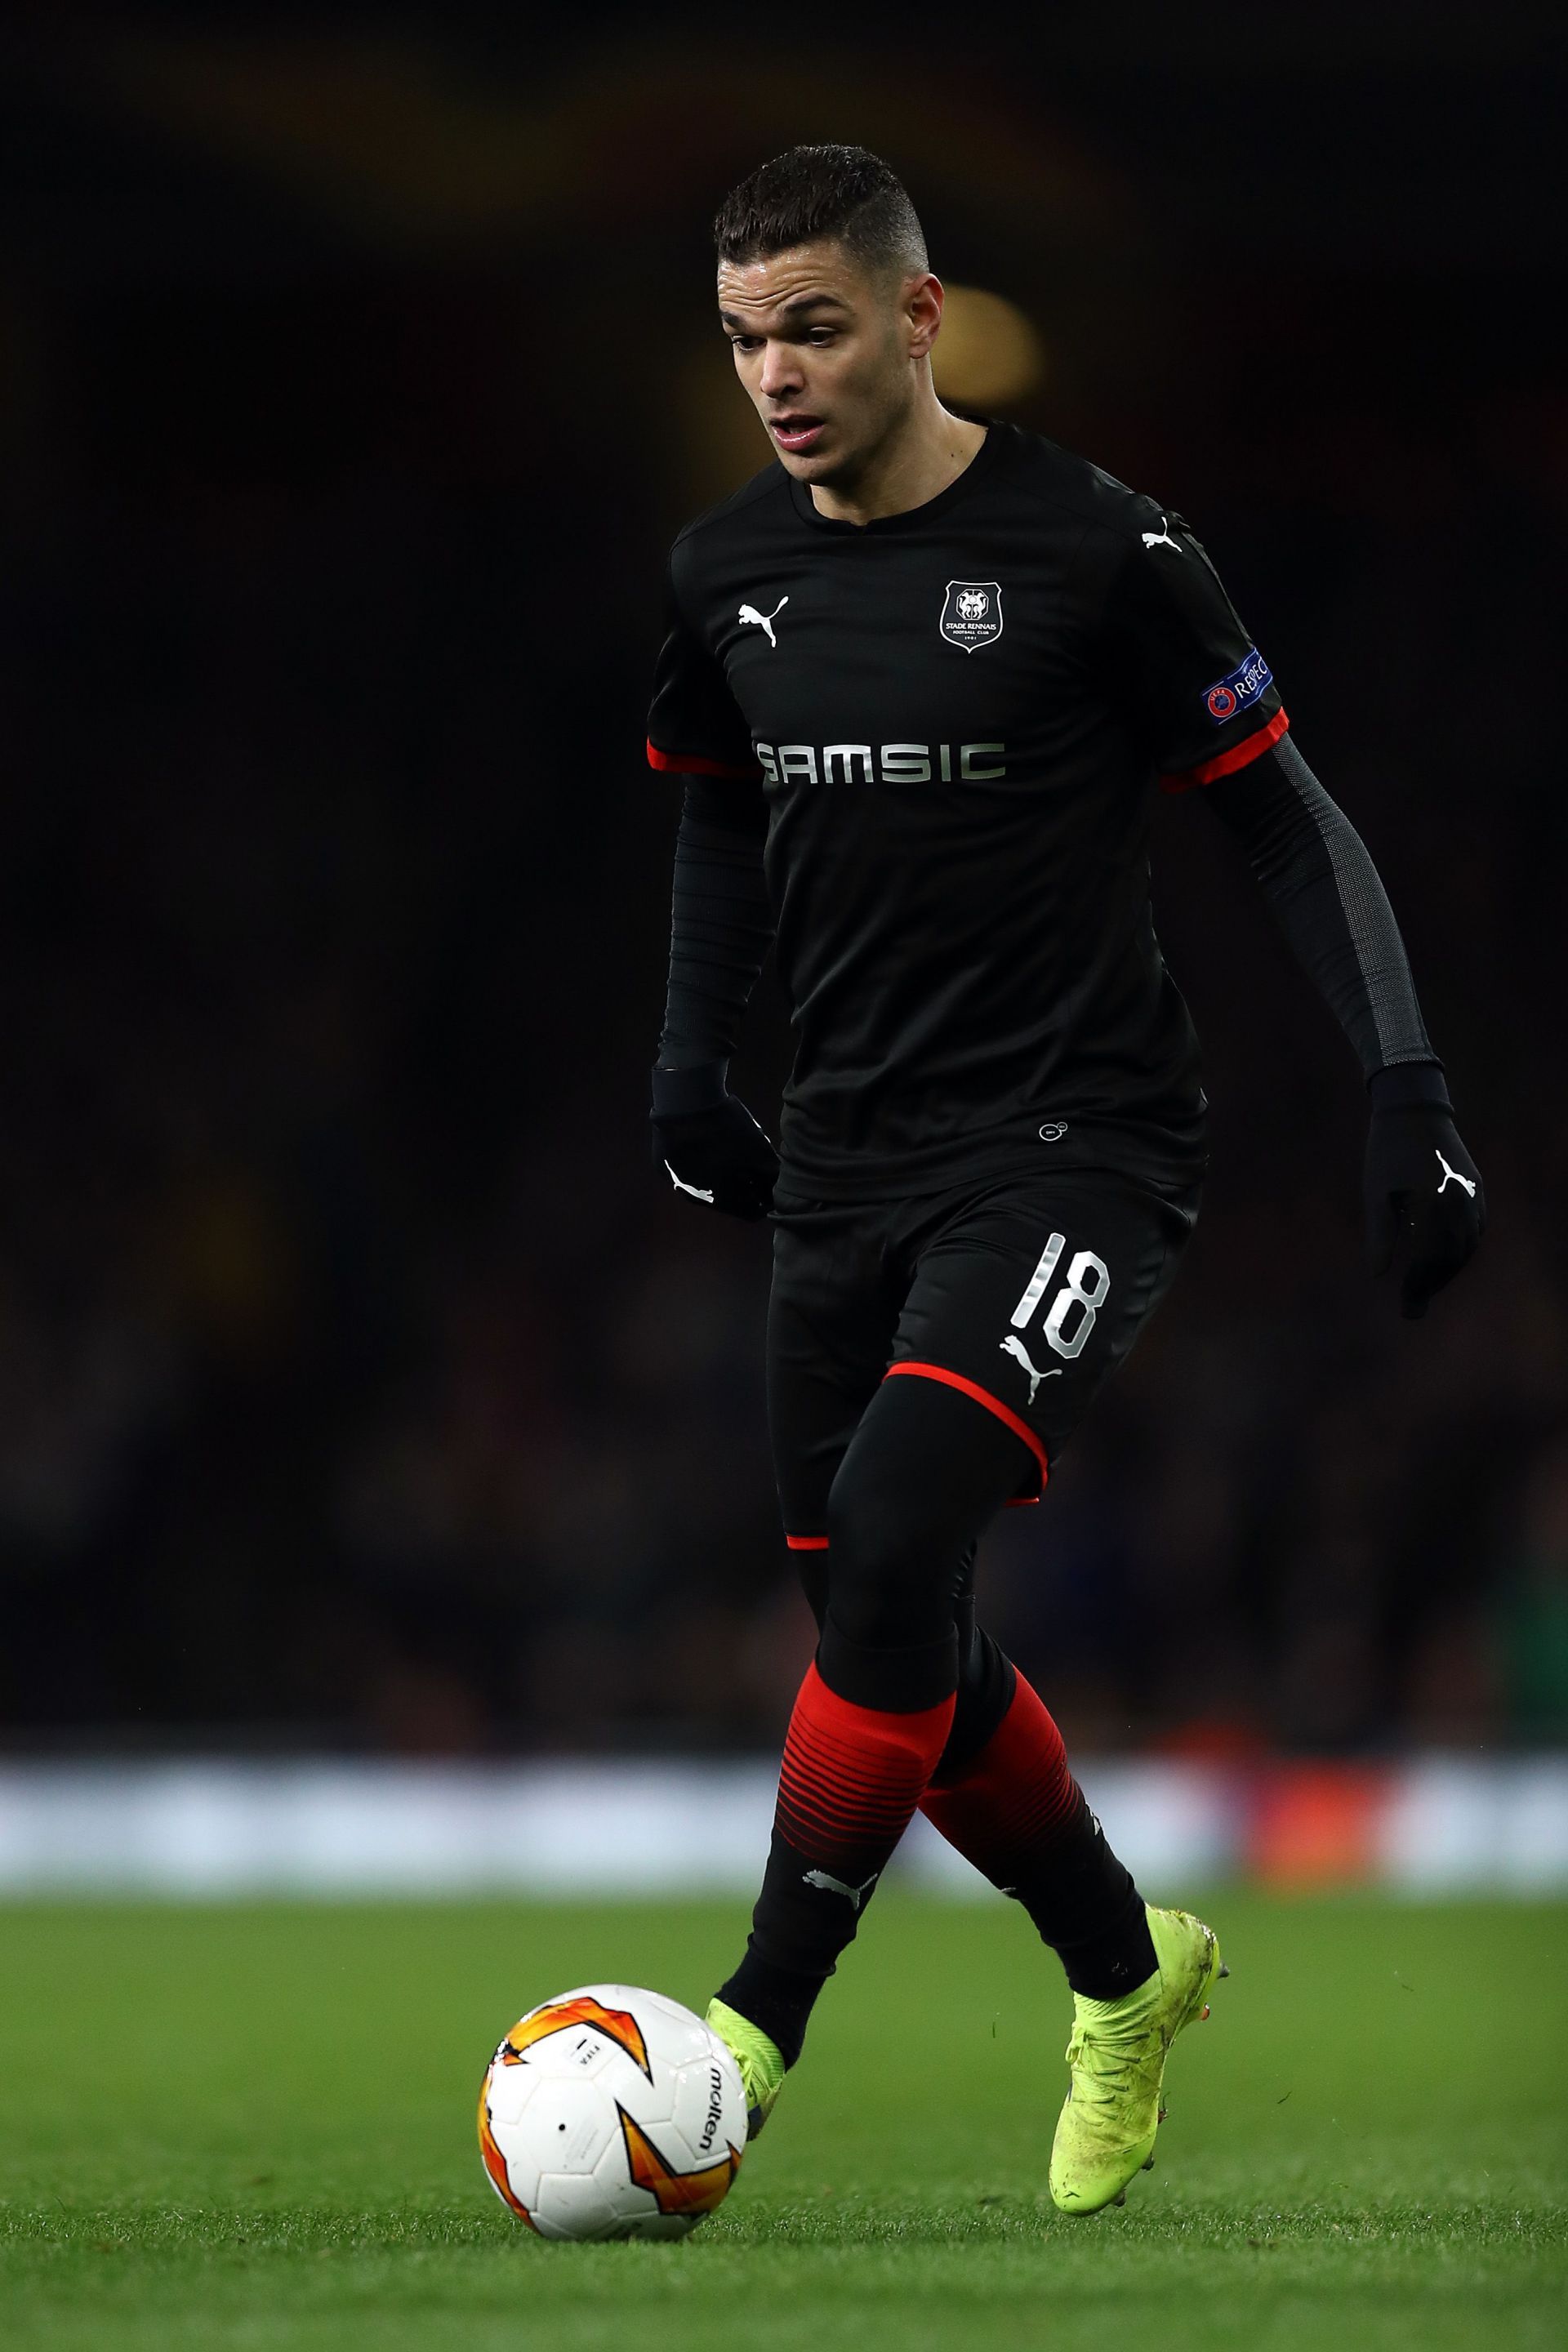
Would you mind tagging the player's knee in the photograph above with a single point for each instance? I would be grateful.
(889, 1583)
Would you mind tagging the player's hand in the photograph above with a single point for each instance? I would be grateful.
(1421, 1183)
(708, 1144)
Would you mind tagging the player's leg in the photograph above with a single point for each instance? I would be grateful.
(1015, 1809)
(838, 1284)
(1058, 1282)
(832, 1311)
(839, 1287)
(922, 1475)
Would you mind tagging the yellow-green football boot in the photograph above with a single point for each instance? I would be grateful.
(759, 2062)
(1117, 2057)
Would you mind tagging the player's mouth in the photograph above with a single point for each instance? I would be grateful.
(797, 433)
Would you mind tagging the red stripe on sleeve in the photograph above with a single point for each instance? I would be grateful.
(982, 1396)
(691, 763)
(1240, 755)
(806, 1543)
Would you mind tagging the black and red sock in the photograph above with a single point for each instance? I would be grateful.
(854, 1771)
(1015, 1812)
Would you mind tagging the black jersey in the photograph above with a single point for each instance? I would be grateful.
(957, 716)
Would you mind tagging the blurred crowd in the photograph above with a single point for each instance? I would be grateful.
(360, 1385)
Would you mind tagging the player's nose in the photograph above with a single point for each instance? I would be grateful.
(781, 371)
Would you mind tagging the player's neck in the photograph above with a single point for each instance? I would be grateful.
(911, 467)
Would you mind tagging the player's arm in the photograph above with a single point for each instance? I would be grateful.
(1206, 703)
(1326, 894)
(721, 925)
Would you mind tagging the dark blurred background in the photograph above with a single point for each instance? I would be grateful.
(359, 1385)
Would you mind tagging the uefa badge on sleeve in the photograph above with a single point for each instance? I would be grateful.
(971, 615)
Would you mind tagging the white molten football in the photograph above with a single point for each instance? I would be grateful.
(612, 2112)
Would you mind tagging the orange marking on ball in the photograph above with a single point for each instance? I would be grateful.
(617, 2025)
(676, 2192)
(495, 2162)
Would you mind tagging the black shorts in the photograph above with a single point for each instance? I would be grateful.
(1023, 1293)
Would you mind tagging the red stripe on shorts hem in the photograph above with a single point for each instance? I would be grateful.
(806, 1543)
(1004, 1412)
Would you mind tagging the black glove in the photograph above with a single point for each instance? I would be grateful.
(1421, 1181)
(708, 1144)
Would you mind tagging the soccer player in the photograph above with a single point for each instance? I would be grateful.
(921, 677)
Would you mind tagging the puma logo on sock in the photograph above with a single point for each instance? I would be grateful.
(831, 1885)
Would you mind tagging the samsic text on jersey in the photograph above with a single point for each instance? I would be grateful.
(957, 716)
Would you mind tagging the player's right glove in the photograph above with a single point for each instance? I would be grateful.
(1421, 1183)
(708, 1144)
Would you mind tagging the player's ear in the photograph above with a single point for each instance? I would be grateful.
(923, 301)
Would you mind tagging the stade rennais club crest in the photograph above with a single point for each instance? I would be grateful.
(972, 617)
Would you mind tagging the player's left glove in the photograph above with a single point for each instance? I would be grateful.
(1420, 1181)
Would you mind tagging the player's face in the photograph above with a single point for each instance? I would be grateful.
(828, 352)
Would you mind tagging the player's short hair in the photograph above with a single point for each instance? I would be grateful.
(844, 193)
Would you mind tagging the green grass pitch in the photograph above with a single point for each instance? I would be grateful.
(247, 2128)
